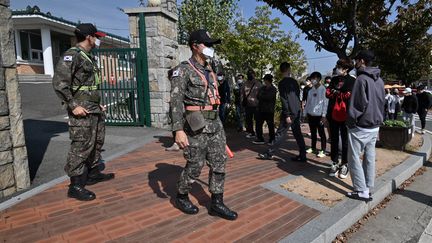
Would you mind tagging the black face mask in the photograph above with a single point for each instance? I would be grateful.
(250, 77)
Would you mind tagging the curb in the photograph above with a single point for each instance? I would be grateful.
(342, 216)
(426, 236)
(135, 144)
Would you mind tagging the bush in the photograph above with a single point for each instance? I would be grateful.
(396, 123)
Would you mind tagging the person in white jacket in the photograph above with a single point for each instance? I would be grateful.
(316, 110)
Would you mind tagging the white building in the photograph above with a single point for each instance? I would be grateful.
(40, 40)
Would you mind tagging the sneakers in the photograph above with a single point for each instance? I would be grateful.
(343, 172)
(310, 150)
(250, 135)
(270, 143)
(334, 169)
(174, 147)
(259, 142)
(321, 154)
(422, 131)
(265, 156)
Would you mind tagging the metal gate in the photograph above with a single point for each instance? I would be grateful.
(125, 86)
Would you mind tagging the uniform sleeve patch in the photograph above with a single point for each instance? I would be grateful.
(67, 58)
(176, 73)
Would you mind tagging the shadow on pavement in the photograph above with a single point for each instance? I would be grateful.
(38, 134)
(163, 182)
(416, 196)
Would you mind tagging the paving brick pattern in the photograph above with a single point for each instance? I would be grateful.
(137, 206)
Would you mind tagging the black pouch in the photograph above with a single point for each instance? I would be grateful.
(196, 120)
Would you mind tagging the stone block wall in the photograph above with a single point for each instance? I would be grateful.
(161, 37)
(14, 172)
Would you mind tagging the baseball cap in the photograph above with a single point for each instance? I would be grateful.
(366, 55)
(86, 29)
(202, 37)
(407, 90)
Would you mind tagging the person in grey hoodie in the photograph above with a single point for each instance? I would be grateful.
(365, 115)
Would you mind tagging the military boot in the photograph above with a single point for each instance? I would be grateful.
(95, 176)
(218, 208)
(77, 190)
(185, 205)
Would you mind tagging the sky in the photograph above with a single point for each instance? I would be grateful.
(107, 17)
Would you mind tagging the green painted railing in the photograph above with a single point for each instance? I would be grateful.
(121, 87)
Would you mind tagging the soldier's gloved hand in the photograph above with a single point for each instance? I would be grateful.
(181, 139)
(80, 111)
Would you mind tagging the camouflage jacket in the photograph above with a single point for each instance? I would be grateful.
(188, 89)
(72, 71)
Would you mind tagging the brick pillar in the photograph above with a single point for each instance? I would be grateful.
(14, 172)
(161, 33)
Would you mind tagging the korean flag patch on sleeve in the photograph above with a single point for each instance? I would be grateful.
(176, 73)
(67, 58)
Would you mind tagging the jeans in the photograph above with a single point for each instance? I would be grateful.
(315, 125)
(337, 128)
(362, 140)
(239, 116)
(281, 135)
(269, 118)
(251, 115)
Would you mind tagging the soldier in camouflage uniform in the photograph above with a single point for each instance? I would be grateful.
(197, 127)
(76, 81)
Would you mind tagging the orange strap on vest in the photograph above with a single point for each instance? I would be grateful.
(199, 108)
(214, 100)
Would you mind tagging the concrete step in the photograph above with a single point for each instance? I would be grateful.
(34, 78)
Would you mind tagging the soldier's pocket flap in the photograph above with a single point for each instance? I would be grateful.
(195, 120)
(79, 121)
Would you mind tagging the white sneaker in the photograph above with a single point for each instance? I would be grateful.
(309, 150)
(343, 173)
(249, 135)
(321, 154)
(173, 147)
(334, 169)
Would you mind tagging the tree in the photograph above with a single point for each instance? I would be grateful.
(260, 43)
(404, 48)
(345, 27)
(216, 16)
(334, 25)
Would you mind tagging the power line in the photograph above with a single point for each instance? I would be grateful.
(314, 58)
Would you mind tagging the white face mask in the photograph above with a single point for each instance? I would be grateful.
(240, 81)
(97, 42)
(220, 78)
(208, 51)
(302, 86)
(314, 81)
(339, 71)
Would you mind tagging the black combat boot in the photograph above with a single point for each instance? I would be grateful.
(77, 190)
(218, 208)
(96, 176)
(185, 205)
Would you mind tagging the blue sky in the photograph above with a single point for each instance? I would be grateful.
(107, 17)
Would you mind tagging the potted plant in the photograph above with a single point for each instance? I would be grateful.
(395, 134)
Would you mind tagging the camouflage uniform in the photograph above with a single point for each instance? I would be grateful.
(206, 145)
(73, 73)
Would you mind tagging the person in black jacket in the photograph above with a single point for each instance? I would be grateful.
(424, 103)
(266, 107)
(225, 96)
(289, 91)
(409, 107)
(339, 91)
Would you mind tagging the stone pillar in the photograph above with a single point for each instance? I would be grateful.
(161, 33)
(47, 51)
(18, 45)
(14, 172)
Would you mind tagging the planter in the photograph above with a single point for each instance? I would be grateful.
(395, 137)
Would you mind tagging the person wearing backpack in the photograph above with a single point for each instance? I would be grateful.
(339, 92)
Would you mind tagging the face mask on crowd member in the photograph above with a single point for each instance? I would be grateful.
(314, 82)
(340, 72)
(250, 74)
(220, 77)
(97, 42)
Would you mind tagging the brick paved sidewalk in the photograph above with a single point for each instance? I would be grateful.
(137, 206)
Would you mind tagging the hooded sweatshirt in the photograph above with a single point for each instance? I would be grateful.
(367, 99)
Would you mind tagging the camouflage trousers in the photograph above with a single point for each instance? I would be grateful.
(204, 148)
(87, 136)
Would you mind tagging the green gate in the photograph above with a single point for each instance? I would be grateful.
(125, 86)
